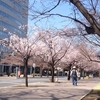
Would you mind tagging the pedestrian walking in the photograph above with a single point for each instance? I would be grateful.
(74, 75)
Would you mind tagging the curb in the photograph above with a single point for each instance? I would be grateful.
(97, 87)
(84, 95)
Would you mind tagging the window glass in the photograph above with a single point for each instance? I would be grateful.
(4, 34)
(11, 27)
(10, 17)
(17, 5)
(8, 7)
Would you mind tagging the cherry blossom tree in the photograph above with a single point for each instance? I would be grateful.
(89, 60)
(53, 48)
(88, 51)
(84, 12)
(24, 48)
(70, 59)
(39, 62)
(12, 59)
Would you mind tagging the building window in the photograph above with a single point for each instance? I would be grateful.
(17, 5)
(11, 9)
(6, 35)
(11, 18)
(8, 26)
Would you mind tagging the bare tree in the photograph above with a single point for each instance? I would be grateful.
(81, 9)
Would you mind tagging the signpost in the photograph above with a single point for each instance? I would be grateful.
(34, 65)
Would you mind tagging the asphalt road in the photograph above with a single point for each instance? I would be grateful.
(12, 81)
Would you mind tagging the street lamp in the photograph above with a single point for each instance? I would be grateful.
(34, 65)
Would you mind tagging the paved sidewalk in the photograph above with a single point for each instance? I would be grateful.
(49, 91)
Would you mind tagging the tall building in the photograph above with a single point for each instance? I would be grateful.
(13, 16)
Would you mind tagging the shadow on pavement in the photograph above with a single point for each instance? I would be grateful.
(39, 93)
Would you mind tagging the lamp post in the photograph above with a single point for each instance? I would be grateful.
(16, 72)
(58, 68)
(34, 65)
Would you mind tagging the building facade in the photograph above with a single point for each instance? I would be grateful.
(13, 16)
(13, 19)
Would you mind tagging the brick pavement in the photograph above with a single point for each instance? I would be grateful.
(49, 91)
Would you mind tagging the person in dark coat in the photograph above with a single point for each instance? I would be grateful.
(74, 75)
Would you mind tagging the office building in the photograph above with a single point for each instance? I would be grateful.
(13, 16)
(13, 19)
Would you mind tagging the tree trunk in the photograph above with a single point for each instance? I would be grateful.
(52, 79)
(69, 71)
(48, 73)
(25, 71)
(41, 69)
(68, 75)
(99, 74)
